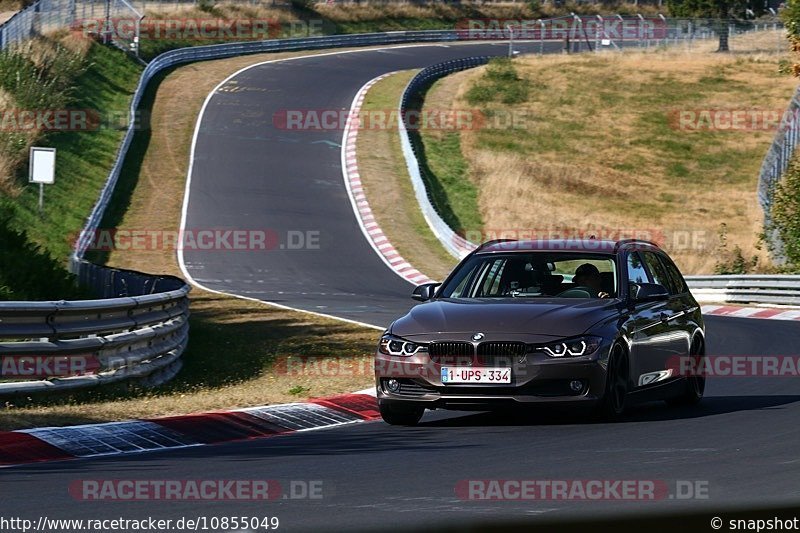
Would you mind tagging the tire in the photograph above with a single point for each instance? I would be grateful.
(613, 404)
(399, 416)
(695, 386)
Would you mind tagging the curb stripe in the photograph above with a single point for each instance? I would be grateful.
(19, 448)
(372, 231)
(173, 432)
(760, 313)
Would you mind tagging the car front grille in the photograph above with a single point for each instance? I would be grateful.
(501, 348)
(457, 353)
(452, 353)
(450, 349)
(500, 353)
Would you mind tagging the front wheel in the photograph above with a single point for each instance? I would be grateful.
(401, 416)
(613, 404)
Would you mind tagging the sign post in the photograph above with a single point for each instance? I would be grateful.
(42, 169)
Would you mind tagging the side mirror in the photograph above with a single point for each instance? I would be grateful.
(648, 292)
(424, 292)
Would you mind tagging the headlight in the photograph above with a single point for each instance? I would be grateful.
(391, 345)
(572, 347)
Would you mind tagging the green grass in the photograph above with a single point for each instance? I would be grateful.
(445, 172)
(83, 161)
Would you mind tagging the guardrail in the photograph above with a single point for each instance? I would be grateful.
(139, 329)
(778, 289)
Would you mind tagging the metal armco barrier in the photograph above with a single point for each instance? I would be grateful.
(778, 289)
(138, 330)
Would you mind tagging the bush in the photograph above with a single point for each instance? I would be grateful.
(732, 261)
(786, 211)
(501, 83)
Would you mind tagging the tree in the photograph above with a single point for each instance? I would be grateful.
(720, 10)
(791, 18)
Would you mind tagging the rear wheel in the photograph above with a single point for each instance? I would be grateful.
(401, 416)
(612, 406)
(696, 384)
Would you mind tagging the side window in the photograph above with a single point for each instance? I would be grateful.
(657, 270)
(678, 284)
(636, 270)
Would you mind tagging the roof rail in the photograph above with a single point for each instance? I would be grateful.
(629, 241)
(493, 242)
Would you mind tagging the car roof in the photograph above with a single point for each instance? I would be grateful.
(565, 245)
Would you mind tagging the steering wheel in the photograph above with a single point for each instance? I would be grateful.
(576, 292)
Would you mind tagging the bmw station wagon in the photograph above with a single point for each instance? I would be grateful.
(589, 323)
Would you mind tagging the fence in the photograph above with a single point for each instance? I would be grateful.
(772, 169)
(45, 16)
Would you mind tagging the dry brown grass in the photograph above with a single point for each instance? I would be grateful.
(598, 152)
(384, 175)
(358, 12)
(222, 10)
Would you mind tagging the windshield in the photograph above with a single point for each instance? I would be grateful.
(534, 275)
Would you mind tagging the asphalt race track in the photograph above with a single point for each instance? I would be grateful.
(741, 442)
(249, 174)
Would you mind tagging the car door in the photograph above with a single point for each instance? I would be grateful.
(650, 335)
(667, 337)
(685, 307)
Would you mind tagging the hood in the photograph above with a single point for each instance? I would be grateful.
(557, 317)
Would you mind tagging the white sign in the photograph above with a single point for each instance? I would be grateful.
(42, 165)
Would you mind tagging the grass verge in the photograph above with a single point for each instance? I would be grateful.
(384, 176)
(48, 76)
(601, 150)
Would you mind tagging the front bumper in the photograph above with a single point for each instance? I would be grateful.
(535, 379)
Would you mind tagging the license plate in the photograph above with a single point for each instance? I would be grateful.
(466, 374)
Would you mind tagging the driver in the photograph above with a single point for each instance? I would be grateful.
(587, 276)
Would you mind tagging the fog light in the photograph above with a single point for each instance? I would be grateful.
(393, 385)
(576, 385)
